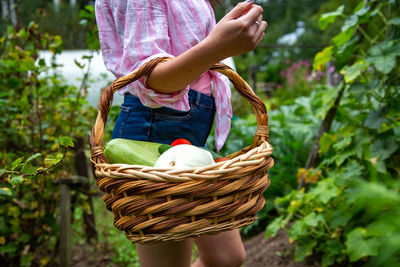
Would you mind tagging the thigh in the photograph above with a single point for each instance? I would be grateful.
(222, 247)
(166, 254)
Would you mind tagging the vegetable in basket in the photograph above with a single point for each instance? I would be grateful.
(132, 152)
(180, 141)
(184, 156)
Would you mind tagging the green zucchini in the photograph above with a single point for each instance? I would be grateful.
(131, 152)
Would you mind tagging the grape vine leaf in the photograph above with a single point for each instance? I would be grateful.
(343, 37)
(383, 56)
(354, 71)
(322, 58)
(329, 18)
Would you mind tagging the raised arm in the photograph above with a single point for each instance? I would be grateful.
(237, 33)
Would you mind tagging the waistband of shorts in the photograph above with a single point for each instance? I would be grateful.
(195, 98)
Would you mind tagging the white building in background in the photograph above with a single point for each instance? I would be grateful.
(99, 76)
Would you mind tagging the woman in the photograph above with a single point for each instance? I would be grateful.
(180, 97)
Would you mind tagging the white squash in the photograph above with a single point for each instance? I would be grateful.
(184, 156)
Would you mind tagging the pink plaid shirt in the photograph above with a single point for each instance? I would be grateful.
(132, 32)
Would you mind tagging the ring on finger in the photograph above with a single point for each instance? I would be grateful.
(258, 23)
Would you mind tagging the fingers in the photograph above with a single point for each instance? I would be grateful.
(252, 16)
(259, 19)
(259, 26)
(260, 33)
(239, 10)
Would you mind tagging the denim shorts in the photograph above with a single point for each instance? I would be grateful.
(164, 125)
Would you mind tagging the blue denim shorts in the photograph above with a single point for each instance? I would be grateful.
(164, 125)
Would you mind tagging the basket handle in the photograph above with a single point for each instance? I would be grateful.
(105, 101)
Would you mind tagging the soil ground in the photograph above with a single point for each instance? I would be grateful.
(273, 252)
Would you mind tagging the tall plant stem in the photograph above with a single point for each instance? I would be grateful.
(78, 96)
(39, 120)
(312, 160)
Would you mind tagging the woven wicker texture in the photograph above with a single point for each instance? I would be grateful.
(153, 205)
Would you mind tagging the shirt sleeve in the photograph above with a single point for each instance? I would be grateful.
(109, 40)
(143, 26)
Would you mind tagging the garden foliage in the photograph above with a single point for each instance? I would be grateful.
(41, 115)
(351, 214)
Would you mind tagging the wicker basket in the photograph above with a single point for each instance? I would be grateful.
(153, 205)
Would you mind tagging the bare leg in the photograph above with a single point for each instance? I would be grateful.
(166, 254)
(221, 250)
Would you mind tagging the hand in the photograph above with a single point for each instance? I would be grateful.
(240, 31)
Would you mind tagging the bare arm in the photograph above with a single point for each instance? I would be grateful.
(233, 35)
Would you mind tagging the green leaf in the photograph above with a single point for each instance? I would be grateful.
(329, 96)
(79, 65)
(322, 58)
(17, 180)
(273, 228)
(26, 169)
(313, 219)
(327, 260)
(383, 148)
(5, 191)
(24, 238)
(9, 248)
(352, 171)
(389, 253)
(326, 142)
(26, 65)
(329, 18)
(339, 217)
(26, 260)
(363, 11)
(352, 72)
(350, 22)
(17, 163)
(23, 34)
(345, 142)
(325, 190)
(298, 229)
(382, 227)
(343, 37)
(66, 141)
(343, 156)
(304, 249)
(383, 56)
(358, 246)
(332, 252)
(345, 52)
(395, 21)
(375, 119)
